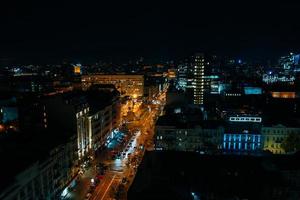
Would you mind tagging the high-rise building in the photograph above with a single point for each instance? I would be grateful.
(199, 66)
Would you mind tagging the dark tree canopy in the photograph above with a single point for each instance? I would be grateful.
(291, 143)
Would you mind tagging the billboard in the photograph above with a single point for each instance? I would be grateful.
(252, 90)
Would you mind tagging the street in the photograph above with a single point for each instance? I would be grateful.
(121, 160)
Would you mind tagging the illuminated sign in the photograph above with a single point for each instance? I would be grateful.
(275, 78)
(285, 95)
(252, 90)
(245, 119)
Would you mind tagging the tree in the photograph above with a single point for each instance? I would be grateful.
(291, 143)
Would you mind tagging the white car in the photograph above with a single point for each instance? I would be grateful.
(88, 196)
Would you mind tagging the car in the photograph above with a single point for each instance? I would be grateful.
(88, 196)
(124, 180)
(91, 189)
(102, 171)
(105, 167)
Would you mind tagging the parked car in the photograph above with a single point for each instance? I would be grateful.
(88, 196)
(124, 180)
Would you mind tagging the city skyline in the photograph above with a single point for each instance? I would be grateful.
(147, 101)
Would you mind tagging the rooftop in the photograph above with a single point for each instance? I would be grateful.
(176, 175)
(20, 150)
(182, 121)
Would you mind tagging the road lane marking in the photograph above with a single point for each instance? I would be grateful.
(108, 186)
(100, 186)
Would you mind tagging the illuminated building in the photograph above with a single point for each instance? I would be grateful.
(185, 76)
(171, 74)
(242, 134)
(212, 84)
(274, 135)
(181, 77)
(289, 62)
(104, 115)
(285, 95)
(273, 78)
(290, 65)
(127, 85)
(99, 127)
(241, 142)
(252, 90)
(199, 66)
(92, 115)
(245, 119)
(9, 112)
(152, 90)
(77, 69)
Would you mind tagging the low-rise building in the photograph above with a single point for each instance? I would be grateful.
(127, 84)
(274, 135)
(176, 132)
(242, 134)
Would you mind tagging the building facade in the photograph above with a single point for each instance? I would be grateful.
(243, 134)
(274, 136)
(199, 67)
(175, 133)
(69, 112)
(45, 178)
(240, 142)
(127, 85)
(198, 139)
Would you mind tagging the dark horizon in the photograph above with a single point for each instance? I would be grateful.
(37, 32)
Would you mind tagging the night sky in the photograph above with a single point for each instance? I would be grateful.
(35, 30)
